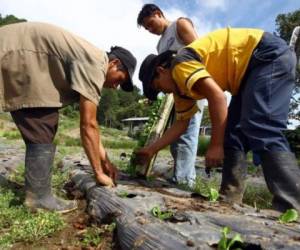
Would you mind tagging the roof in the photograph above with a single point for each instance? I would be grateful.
(133, 119)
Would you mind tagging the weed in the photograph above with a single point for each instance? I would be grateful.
(226, 243)
(18, 224)
(259, 197)
(122, 194)
(162, 215)
(289, 216)
(11, 135)
(92, 237)
(207, 188)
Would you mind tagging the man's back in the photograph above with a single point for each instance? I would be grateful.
(43, 64)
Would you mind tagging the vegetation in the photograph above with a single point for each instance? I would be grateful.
(116, 105)
(285, 24)
(227, 243)
(17, 223)
(161, 214)
(289, 216)
(10, 19)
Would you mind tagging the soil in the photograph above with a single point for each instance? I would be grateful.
(69, 238)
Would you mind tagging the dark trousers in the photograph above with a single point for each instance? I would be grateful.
(37, 125)
(258, 113)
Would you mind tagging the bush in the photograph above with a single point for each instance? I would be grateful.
(203, 145)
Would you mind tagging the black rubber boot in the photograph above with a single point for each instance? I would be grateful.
(38, 172)
(233, 176)
(282, 176)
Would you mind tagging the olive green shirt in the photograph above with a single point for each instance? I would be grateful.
(45, 66)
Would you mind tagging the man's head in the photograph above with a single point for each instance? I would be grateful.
(155, 74)
(120, 70)
(152, 19)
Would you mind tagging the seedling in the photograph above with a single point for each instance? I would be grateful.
(226, 243)
(213, 195)
(162, 215)
(122, 194)
(289, 216)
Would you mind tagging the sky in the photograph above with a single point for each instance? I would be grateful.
(107, 23)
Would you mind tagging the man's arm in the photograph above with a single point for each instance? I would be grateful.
(90, 139)
(144, 155)
(218, 114)
(186, 31)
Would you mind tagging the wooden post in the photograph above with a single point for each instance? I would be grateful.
(157, 130)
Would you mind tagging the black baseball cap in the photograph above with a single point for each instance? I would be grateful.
(129, 62)
(148, 71)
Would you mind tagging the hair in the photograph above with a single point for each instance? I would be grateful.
(112, 56)
(165, 59)
(146, 11)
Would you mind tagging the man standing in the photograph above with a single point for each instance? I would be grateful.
(258, 69)
(175, 35)
(44, 68)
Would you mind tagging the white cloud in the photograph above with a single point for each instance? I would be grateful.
(104, 23)
(213, 4)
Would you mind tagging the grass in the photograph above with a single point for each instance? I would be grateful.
(259, 197)
(18, 224)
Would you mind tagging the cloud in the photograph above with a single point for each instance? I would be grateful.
(213, 4)
(103, 23)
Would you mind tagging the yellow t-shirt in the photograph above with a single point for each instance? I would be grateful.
(223, 55)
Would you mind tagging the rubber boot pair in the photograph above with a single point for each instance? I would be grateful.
(38, 172)
(281, 173)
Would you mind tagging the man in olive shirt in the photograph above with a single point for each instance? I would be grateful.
(258, 69)
(44, 68)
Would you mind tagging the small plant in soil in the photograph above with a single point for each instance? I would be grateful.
(291, 215)
(161, 214)
(227, 243)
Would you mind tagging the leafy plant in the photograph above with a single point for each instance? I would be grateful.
(289, 216)
(225, 242)
(92, 237)
(213, 195)
(162, 215)
(122, 194)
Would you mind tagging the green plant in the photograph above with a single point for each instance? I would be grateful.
(122, 194)
(225, 242)
(207, 188)
(18, 224)
(153, 117)
(92, 237)
(213, 195)
(12, 135)
(162, 215)
(289, 216)
(203, 144)
(258, 196)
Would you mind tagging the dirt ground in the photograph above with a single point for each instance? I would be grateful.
(70, 237)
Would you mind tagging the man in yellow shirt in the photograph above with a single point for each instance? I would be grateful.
(258, 69)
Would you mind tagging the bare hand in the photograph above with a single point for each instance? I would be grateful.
(214, 156)
(143, 156)
(110, 169)
(104, 180)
